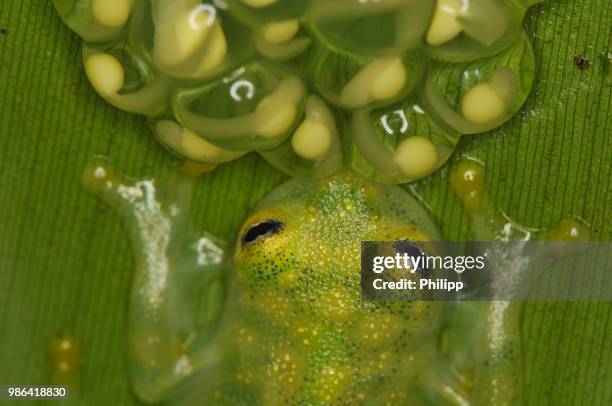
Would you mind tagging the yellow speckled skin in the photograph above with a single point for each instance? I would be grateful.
(302, 325)
(282, 322)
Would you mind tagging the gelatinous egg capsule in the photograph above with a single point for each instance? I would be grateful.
(255, 107)
(257, 12)
(64, 355)
(124, 81)
(374, 28)
(279, 40)
(468, 181)
(468, 30)
(277, 25)
(188, 145)
(188, 39)
(279, 32)
(355, 82)
(379, 81)
(398, 144)
(572, 229)
(258, 3)
(479, 96)
(359, 55)
(488, 102)
(95, 21)
(314, 149)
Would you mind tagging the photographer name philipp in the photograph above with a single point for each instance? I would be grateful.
(412, 264)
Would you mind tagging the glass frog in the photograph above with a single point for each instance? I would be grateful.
(279, 318)
(385, 87)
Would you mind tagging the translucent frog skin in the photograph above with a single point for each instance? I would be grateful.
(281, 320)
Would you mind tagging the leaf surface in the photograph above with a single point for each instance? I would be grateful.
(65, 261)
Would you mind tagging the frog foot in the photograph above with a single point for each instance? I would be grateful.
(169, 333)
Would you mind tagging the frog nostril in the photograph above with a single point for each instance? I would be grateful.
(267, 227)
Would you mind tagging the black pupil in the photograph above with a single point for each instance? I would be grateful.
(264, 228)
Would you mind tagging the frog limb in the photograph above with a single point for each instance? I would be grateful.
(169, 337)
(485, 337)
(443, 384)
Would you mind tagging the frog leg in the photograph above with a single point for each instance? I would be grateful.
(441, 383)
(177, 287)
(483, 338)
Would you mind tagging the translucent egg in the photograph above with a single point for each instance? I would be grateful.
(479, 96)
(386, 87)
(463, 30)
(400, 143)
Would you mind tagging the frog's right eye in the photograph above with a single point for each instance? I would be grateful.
(262, 230)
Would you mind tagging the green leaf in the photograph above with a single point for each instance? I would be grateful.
(65, 262)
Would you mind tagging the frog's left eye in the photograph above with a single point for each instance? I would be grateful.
(262, 230)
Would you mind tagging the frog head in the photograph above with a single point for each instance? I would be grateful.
(303, 242)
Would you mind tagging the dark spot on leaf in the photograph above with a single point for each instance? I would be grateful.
(582, 62)
(4, 31)
(259, 230)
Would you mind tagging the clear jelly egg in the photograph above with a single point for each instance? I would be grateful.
(386, 87)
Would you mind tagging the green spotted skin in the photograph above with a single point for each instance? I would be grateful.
(303, 325)
(279, 319)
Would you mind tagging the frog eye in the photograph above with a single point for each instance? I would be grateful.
(261, 230)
